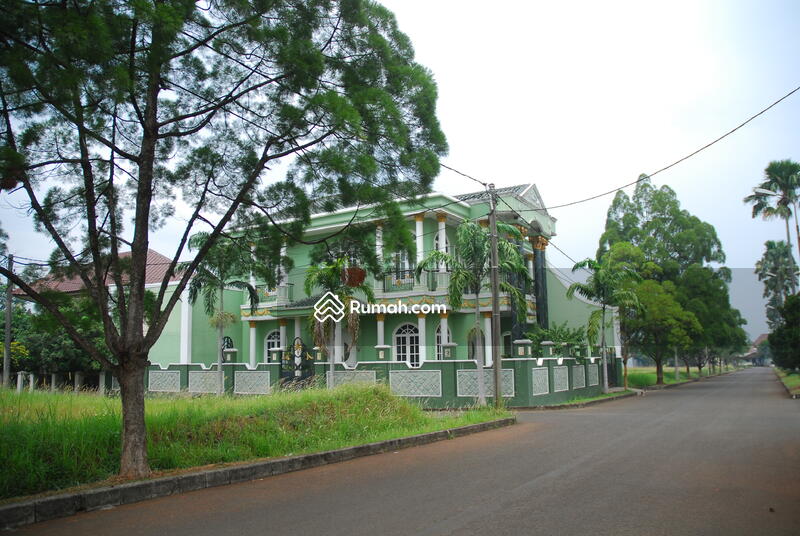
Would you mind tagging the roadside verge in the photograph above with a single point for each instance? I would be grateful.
(34, 510)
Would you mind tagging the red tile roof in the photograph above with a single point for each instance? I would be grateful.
(155, 272)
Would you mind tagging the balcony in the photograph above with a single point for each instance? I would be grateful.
(280, 295)
(399, 281)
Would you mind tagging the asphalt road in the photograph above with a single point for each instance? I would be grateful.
(715, 457)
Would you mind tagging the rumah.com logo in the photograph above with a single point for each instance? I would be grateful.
(330, 307)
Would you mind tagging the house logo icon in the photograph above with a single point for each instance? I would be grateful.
(329, 306)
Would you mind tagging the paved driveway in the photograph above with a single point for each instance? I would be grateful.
(715, 457)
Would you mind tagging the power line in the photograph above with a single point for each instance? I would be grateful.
(665, 168)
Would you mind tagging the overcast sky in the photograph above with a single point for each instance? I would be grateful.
(581, 97)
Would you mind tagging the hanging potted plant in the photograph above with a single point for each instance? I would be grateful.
(353, 276)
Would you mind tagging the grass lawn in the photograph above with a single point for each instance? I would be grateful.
(641, 377)
(790, 380)
(54, 441)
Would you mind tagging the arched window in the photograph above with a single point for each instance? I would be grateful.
(272, 340)
(406, 344)
(436, 242)
(439, 350)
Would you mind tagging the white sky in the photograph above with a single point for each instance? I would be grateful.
(581, 97)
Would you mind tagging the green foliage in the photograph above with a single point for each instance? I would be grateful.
(776, 269)
(662, 323)
(704, 292)
(608, 285)
(668, 236)
(784, 341)
(557, 333)
(330, 277)
(469, 265)
(53, 441)
(783, 178)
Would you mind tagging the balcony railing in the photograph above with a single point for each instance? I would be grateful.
(280, 294)
(402, 280)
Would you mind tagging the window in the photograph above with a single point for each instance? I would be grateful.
(439, 349)
(507, 345)
(272, 340)
(406, 344)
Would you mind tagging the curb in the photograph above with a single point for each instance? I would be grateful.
(66, 504)
(789, 393)
(692, 380)
(575, 405)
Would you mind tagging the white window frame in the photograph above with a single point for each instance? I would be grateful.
(439, 349)
(405, 341)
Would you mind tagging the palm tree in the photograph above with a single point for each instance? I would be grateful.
(782, 178)
(608, 286)
(223, 263)
(330, 277)
(777, 269)
(469, 267)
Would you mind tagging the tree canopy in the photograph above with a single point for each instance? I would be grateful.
(120, 117)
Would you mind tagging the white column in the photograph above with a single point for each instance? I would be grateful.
(487, 338)
(379, 324)
(420, 248)
(32, 385)
(423, 346)
(298, 327)
(20, 381)
(442, 240)
(253, 344)
(337, 343)
(186, 329)
(443, 329)
(283, 279)
(282, 332)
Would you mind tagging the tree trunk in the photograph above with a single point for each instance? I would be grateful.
(480, 360)
(625, 372)
(220, 336)
(659, 371)
(133, 460)
(603, 348)
(688, 371)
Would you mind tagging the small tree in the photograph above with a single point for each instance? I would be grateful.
(223, 263)
(607, 285)
(330, 277)
(469, 268)
(663, 324)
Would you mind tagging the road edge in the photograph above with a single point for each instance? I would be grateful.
(30, 511)
(576, 404)
(789, 393)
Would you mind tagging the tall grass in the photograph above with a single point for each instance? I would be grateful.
(53, 441)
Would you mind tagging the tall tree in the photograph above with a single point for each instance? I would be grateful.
(783, 178)
(112, 111)
(777, 270)
(668, 235)
(608, 285)
(469, 267)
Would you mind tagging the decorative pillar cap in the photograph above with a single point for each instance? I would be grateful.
(441, 217)
(419, 217)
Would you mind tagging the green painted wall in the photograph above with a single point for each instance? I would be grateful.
(575, 311)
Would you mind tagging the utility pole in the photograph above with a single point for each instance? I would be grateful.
(495, 281)
(7, 345)
(677, 369)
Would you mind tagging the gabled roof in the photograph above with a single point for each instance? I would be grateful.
(483, 194)
(155, 271)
